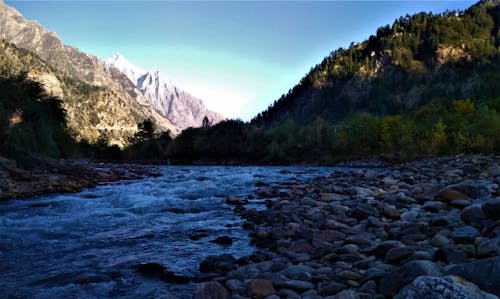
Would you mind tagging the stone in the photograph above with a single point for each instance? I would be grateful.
(221, 263)
(329, 197)
(492, 171)
(330, 288)
(210, 290)
(473, 215)
(299, 285)
(347, 294)
(224, 240)
(489, 248)
(491, 208)
(484, 273)
(464, 234)
(363, 211)
(347, 275)
(450, 254)
(440, 241)
(235, 201)
(450, 195)
(259, 288)
(390, 211)
(461, 203)
(235, 285)
(396, 279)
(328, 236)
(470, 188)
(359, 192)
(433, 206)
(449, 287)
(396, 255)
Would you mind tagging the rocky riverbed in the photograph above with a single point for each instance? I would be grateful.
(31, 177)
(424, 229)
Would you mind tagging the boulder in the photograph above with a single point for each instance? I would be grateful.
(473, 215)
(259, 288)
(363, 211)
(489, 248)
(398, 278)
(484, 273)
(210, 290)
(464, 234)
(396, 255)
(449, 287)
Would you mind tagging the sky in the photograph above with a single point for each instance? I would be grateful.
(237, 56)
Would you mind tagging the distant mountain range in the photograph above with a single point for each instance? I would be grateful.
(178, 106)
(104, 101)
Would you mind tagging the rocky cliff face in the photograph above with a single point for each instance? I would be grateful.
(180, 107)
(101, 103)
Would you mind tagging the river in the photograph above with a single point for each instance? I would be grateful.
(87, 245)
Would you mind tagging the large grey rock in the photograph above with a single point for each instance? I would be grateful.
(450, 287)
(484, 273)
(395, 280)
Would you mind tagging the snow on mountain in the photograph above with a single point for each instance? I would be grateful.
(180, 107)
(126, 67)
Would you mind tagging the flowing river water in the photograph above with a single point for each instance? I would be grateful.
(86, 245)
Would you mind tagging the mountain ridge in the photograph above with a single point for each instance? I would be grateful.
(181, 108)
(72, 64)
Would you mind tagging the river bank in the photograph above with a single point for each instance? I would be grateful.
(34, 176)
(423, 229)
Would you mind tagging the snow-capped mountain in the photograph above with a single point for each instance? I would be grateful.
(180, 107)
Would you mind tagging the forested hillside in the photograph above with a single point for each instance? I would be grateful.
(453, 55)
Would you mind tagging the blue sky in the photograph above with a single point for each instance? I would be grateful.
(236, 56)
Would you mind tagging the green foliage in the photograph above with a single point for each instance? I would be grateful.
(454, 55)
(31, 122)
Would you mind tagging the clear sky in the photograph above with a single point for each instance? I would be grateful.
(236, 56)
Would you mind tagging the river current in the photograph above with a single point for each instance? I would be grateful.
(86, 245)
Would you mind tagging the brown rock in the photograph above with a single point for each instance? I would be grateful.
(451, 195)
(259, 288)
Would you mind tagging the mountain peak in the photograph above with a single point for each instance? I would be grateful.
(125, 66)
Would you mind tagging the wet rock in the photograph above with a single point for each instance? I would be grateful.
(449, 287)
(450, 195)
(210, 290)
(491, 208)
(150, 269)
(450, 254)
(236, 201)
(328, 236)
(359, 192)
(489, 248)
(395, 280)
(473, 215)
(390, 211)
(363, 211)
(331, 288)
(259, 288)
(464, 234)
(347, 294)
(235, 285)
(298, 285)
(469, 188)
(224, 240)
(461, 203)
(396, 255)
(221, 263)
(484, 273)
